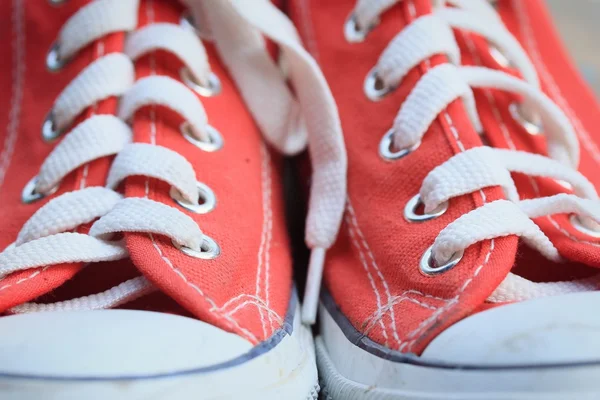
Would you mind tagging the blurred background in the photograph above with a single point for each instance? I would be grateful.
(579, 24)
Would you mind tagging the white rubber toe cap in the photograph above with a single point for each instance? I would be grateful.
(552, 330)
(111, 343)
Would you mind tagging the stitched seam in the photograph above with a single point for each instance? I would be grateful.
(269, 194)
(403, 295)
(363, 261)
(555, 93)
(247, 298)
(377, 271)
(425, 324)
(18, 45)
(180, 274)
(526, 31)
(511, 145)
(373, 319)
(259, 305)
(263, 235)
(153, 133)
(33, 275)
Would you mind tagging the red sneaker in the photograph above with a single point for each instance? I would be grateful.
(154, 191)
(455, 272)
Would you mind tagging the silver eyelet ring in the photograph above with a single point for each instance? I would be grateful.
(428, 265)
(215, 139)
(386, 148)
(208, 251)
(354, 33)
(49, 131)
(212, 89)
(30, 193)
(531, 127)
(53, 61)
(374, 87)
(493, 3)
(57, 2)
(410, 210)
(187, 22)
(577, 224)
(499, 56)
(207, 201)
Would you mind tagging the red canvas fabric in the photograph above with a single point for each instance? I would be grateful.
(372, 272)
(245, 290)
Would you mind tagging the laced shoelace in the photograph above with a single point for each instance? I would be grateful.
(474, 169)
(287, 121)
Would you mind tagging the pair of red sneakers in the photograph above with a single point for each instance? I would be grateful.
(140, 171)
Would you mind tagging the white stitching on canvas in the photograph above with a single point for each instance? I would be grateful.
(247, 298)
(272, 314)
(33, 275)
(270, 236)
(377, 270)
(180, 274)
(527, 32)
(451, 303)
(555, 93)
(511, 144)
(423, 325)
(368, 271)
(370, 322)
(153, 133)
(263, 235)
(18, 45)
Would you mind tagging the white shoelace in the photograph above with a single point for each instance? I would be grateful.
(478, 168)
(287, 121)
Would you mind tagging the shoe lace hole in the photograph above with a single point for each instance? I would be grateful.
(532, 127)
(214, 143)
(209, 249)
(211, 88)
(54, 62)
(428, 265)
(389, 152)
(414, 210)
(207, 201)
(30, 193)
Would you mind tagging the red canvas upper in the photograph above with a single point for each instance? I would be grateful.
(245, 290)
(372, 272)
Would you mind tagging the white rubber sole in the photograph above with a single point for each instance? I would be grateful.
(349, 372)
(285, 371)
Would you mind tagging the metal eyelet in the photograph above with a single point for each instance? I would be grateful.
(429, 267)
(49, 131)
(579, 225)
(215, 139)
(208, 251)
(386, 148)
(499, 56)
(53, 61)
(207, 201)
(354, 33)
(374, 87)
(30, 193)
(532, 127)
(212, 89)
(187, 22)
(411, 215)
(493, 3)
(57, 2)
